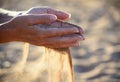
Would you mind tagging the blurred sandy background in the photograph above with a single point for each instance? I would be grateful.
(97, 59)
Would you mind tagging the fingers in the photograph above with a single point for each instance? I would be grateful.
(63, 42)
(64, 39)
(55, 32)
(61, 45)
(73, 44)
(47, 10)
(39, 19)
(60, 15)
(81, 31)
(57, 42)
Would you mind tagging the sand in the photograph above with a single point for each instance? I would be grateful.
(95, 60)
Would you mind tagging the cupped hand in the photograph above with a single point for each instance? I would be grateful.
(22, 28)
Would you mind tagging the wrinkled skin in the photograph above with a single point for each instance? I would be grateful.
(66, 38)
(22, 28)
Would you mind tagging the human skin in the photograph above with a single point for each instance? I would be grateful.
(21, 28)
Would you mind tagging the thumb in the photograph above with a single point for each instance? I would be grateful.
(41, 19)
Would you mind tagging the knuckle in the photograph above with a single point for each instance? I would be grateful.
(28, 19)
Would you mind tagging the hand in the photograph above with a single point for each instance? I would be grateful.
(47, 10)
(21, 28)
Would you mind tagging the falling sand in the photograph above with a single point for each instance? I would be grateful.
(54, 66)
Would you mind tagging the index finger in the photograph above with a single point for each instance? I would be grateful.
(55, 32)
(60, 14)
(47, 10)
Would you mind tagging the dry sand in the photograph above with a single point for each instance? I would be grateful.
(97, 59)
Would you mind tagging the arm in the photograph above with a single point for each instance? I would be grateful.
(22, 28)
(6, 15)
(5, 33)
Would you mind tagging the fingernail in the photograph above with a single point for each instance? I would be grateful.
(82, 37)
(69, 15)
(81, 31)
(75, 30)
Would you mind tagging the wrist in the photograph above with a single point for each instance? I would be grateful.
(6, 15)
(6, 33)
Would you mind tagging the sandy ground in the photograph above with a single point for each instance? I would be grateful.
(97, 59)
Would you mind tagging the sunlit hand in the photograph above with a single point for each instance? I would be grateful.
(21, 28)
